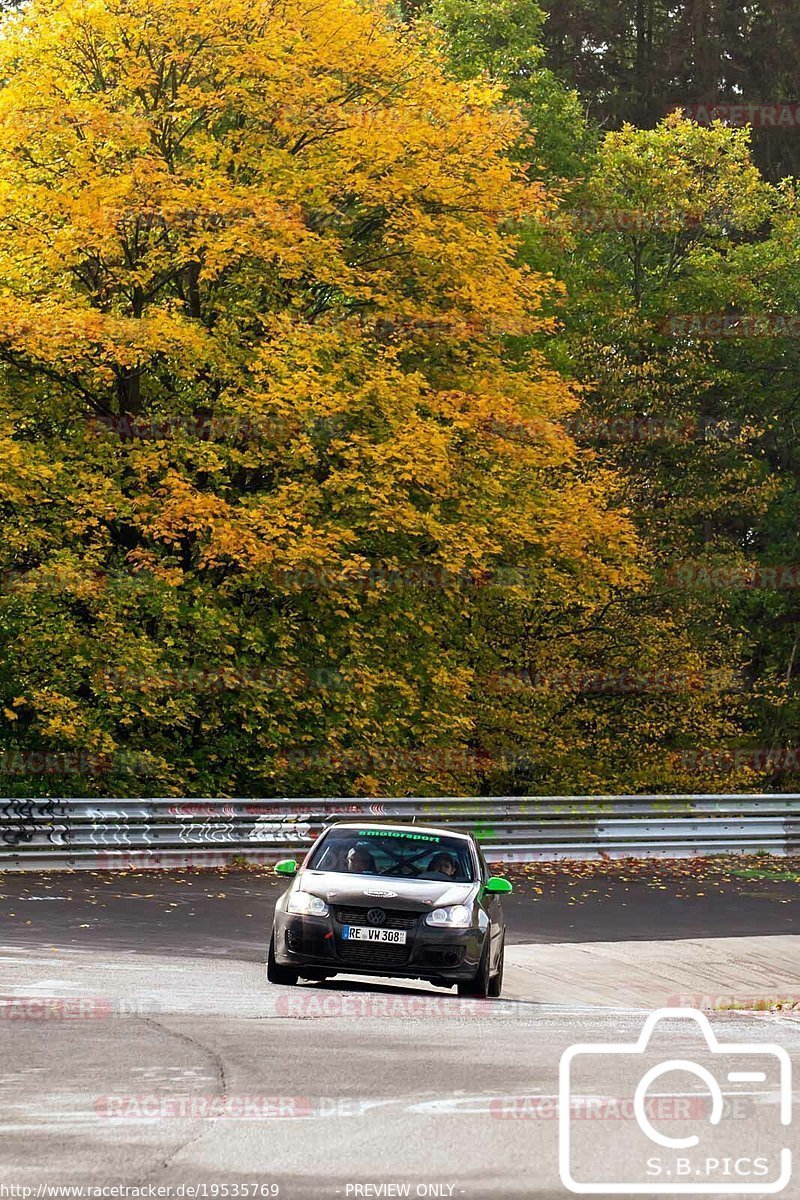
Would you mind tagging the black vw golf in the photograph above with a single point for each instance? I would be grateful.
(397, 900)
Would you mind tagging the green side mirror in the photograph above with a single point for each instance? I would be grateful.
(499, 885)
(287, 866)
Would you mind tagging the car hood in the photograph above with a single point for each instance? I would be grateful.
(344, 889)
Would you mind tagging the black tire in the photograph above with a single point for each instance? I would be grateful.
(496, 982)
(275, 972)
(479, 986)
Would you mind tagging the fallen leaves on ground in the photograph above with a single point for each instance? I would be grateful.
(684, 878)
(582, 880)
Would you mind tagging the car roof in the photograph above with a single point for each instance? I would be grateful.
(386, 827)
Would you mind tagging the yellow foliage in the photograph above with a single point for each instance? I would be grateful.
(256, 309)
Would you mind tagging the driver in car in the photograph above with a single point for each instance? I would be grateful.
(360, 861)
(442, 864)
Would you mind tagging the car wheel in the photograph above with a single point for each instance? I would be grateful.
(275, 972)
(496, 983)
(479, 986)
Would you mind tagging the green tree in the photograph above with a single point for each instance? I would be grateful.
(673, 250)
(501, 40)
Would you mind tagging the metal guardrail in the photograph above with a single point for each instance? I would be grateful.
(110, 833)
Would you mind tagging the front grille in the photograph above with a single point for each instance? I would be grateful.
(396, 918)
(374, 954)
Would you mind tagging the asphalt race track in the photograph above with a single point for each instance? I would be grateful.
(141, 1046)
(227, 912)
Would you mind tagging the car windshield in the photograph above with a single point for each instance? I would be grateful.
(394, 854)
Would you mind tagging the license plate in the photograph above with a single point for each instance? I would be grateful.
(363, 933)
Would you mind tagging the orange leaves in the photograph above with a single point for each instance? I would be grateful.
(94, 343)
(269, 406)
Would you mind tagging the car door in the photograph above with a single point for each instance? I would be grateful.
(494, 910)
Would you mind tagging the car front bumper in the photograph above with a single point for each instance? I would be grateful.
(429, 953)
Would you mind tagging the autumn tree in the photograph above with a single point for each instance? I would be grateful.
(274, 446)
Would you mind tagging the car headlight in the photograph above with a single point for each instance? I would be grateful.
(306, 905)
(456, 917)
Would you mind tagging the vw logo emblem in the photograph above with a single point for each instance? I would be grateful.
(376, 916)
